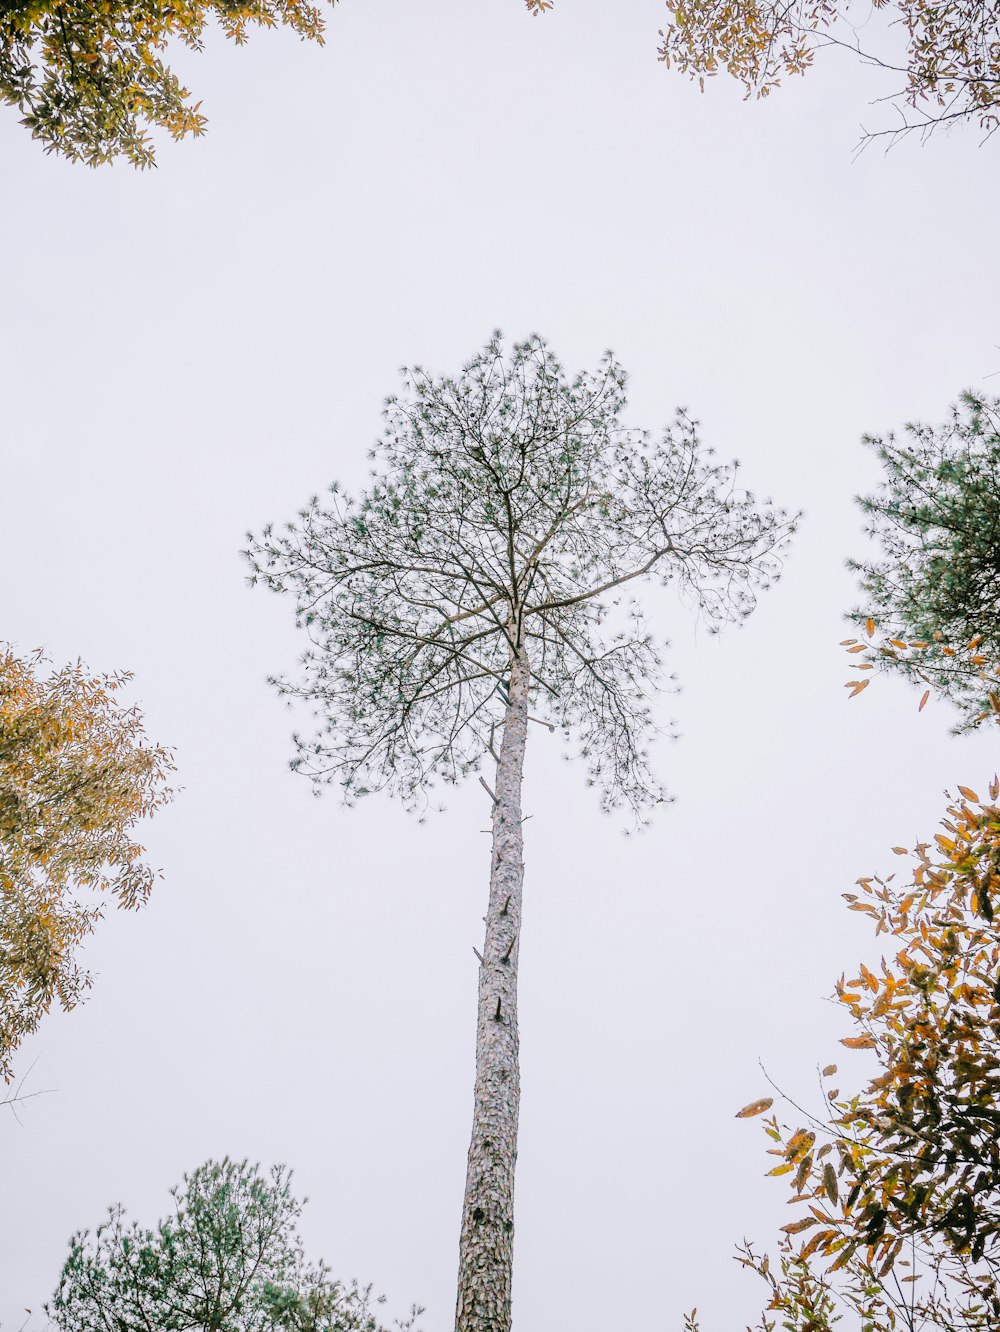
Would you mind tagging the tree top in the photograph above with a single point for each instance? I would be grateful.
(509, 514)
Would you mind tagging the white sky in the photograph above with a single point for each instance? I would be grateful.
(194, 351)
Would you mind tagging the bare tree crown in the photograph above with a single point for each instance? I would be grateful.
(508, 516)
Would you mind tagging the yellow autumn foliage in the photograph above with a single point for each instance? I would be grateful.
(77, 774)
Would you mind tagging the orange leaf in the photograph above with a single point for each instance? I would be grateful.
(755, 1108)
(820, 1237)
(859, 1042)
(923, 701)
(799, 1144)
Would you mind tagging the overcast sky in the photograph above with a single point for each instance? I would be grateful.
(194, 351)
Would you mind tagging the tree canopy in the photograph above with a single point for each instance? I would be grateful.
(934, 594)
(897, 1187)
(77, 773)
(945, 57)
(91, 79)
(511, 505)
(228, 1258)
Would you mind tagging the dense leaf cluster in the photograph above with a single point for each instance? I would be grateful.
(76, 775)
(935, 591)
(510, 512)
(91, 79)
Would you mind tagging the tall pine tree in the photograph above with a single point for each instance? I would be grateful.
(488, 570)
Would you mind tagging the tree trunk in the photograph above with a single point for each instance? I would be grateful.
(486, 1245)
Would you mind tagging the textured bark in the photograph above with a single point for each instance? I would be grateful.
(486, 1245)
